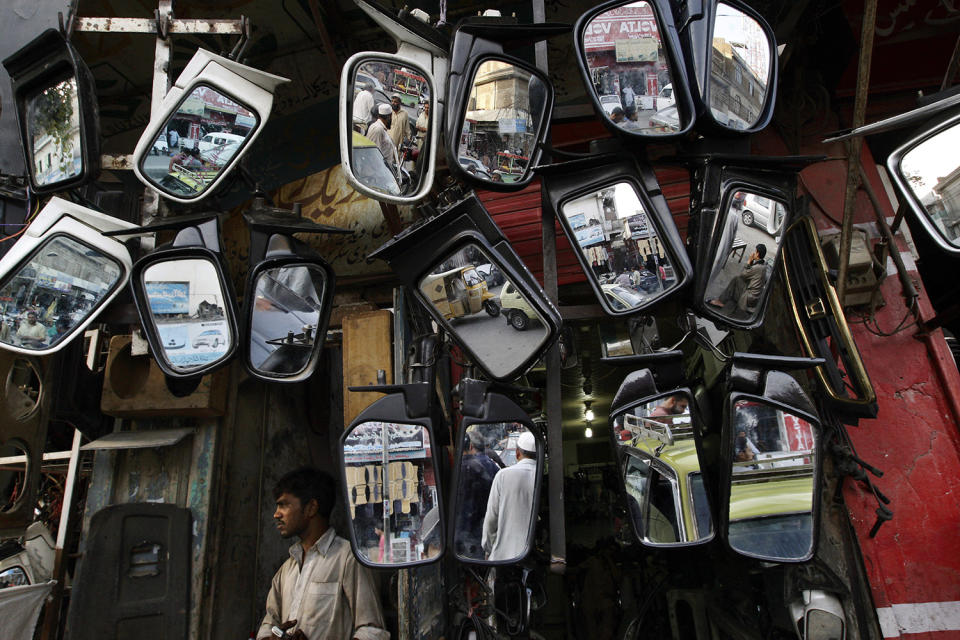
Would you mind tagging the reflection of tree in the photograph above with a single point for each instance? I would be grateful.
(53, 112)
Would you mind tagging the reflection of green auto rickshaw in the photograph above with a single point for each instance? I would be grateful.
(771, 510)
(459, 292)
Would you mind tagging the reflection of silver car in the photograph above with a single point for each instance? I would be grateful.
(621, 298)
(220, 155)
(763, 213)
(213, 338)
(474, 166)
(610, 102)
(666, 120)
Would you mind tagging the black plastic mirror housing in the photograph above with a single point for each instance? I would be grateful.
(54, 91)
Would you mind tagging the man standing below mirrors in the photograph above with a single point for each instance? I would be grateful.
(510, 506)
(745, 289)
(379, 134)
(321, 592)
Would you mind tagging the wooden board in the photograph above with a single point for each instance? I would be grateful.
(367, 347)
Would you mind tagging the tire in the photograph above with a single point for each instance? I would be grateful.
(519, 320)
(748, 218)
(492, 308)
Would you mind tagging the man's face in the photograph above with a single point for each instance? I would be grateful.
(31, 318)
(395, 103)
(291, 517)
(387, 120)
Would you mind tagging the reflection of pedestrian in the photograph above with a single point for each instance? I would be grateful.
(173, 141)
(745, 289)
(423, 123)
(477, 472)
(672, 406)
(31, 332)
(378, 133)
(399, 125)
(510, 506)
(363, 105)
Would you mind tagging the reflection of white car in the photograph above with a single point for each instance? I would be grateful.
(610, 102)
(621, 298)
(160, 147)
(666, 120)
(220, 155)
(212, 338)
(218, 140)
(665, 99)
(763, 213)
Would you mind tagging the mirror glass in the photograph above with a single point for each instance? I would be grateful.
(286, 309)
(661, 471)
(476, 313)
(390, 112)
(198, 142)
(930, 171)
(396, 521)
(13, 577)
(503, 120)
(495, 492)
(739, 68)
(56, 289)
(53, 127)
(23, 388)
(13, 475)
(745, 255)
(620, 242)
(630, 72)
(772, 482)
(187, 303)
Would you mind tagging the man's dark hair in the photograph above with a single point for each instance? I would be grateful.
(308, 483)
(761, 251)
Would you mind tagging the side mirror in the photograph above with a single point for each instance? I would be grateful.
(207, 122)
(58, 276)
(391, 482)
(438, 260)
(771, 452)
(388, 127)
(185, 300)
(731, 51)
(288, 297)
(745, 205)
(924, 169)
(632, 65)
(57, 113)
(497, 479)
(818, 615)
(498, 106)
(622, 232)
(656, 444)
(822, 325)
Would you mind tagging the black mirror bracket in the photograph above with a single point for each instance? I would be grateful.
(417, 396)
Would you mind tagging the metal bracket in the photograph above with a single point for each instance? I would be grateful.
(162, 23)
(816, 309)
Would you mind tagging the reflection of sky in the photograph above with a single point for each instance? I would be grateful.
(932, 159)
(738, 29)
(628, 204)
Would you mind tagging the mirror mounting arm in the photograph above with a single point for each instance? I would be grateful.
(418, 396)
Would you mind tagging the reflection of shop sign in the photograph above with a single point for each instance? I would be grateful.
(52, 283)
(507, 125)
(637, 50)
(590, 235)
(366, 443)
(620, 24)
(168, 297)
(635, 227)
(799, 433)
(577, 220)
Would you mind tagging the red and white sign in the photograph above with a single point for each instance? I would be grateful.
(623, 23)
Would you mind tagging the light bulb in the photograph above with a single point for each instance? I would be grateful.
(588, 415)
(588, 432)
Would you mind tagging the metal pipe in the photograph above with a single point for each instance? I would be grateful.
(854, 145)
(909, 291)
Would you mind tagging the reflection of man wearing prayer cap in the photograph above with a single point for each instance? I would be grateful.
(510, 506)
(379, 134)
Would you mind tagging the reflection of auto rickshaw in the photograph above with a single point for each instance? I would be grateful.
(459, 292)
(369, 166)
(671, 498)
(518, 311)
(771, 510)
(511, 165)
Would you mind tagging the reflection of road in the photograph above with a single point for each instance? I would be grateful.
(499, 346)
(735, 263)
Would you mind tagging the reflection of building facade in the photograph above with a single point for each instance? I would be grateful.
(206, 111)
(55, 159)
(498, 115)
(613, 240)
(735, 90)
(623, 50)
(944, 204)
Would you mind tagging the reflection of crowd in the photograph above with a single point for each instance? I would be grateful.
(29, 331)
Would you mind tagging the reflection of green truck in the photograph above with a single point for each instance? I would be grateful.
(771, 509)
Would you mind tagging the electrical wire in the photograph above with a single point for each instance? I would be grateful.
(26, 224)
(870, 322)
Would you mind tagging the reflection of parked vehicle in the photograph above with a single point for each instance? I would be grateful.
(763, 213)
(459, 292)
(610, 102)
(490, 273)
(665, 99)
(669, 502)
(220, 155)
(621, 298)
(772, 510)
(212, 338)
(518, 311)
(474, 166)
(667, 120)
(160, 147)
(219, 139)
(370, 167)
